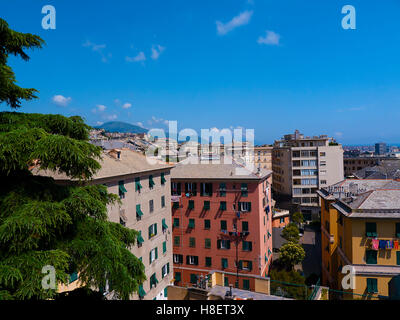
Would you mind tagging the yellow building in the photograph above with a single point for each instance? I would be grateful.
(360, 228)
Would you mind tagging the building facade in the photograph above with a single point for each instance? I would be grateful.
(360, 228)
(221, 216)
(301, 165)
(144, 191)
(380, 148)
(263, 157)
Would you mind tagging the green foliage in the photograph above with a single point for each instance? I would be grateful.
(297, 217)
(47, 223)
(12, 42)
(289, 284)
(291, 233)
(291, 254)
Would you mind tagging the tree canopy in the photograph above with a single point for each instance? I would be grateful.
(45, 223)
(291, 233)
(291, 254)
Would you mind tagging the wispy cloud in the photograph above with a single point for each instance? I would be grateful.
(61, 100)
(126, 105)
(110, 117)
(140, 57)
(156, 51)
(99, 48)
(270, 38)
(157, 120)
(99, 108)
(240, 20)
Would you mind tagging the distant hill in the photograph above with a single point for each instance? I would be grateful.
(118, 126)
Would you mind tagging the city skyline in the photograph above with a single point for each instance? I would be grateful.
(253, 64)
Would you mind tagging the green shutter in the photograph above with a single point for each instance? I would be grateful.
(397, 230)
(73, 277)
(138, 186)
(139, 212)
(371, 256)
(176, 222)
(193, 278)
(222, 189)
(121, 187)
(163, 178)
(207, 244)
(398, 257)
(177, 241)
(142, 293)
(370, 228)
(245, 226)
(191, 204)
(164, 246)
(249, 206)
(156, 253)
(226, 281)
(178, 276)
(224, 263)
(207, 224)
(208, 261)
(192, 242)
(206, 205)
(151, 182)
(250, 265)
(223, 225)
(222, 205)
(155, 228)
(218, 244)
(240, 265)
(244, 190)
(175, 205)
(164, 225)
(372, 285)
(246, 284)
(166, 292)
(191, 223)
(140, 238)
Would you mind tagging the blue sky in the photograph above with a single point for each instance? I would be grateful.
(271, 66)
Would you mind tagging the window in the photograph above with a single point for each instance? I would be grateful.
(397, 230)
(398, 257)
(175, 205)
(224, 225)
(193, 278)
(191, 204)
(191, 223)
(323, 181)
(138, 186)
(191, 188)
(246, 246)
(162, 201)
(192, 260)
(207, 243)
(246, 284)
(176, 222)
(177, 241)
(207, 224)
(178, 258)
(244, 190)
(121, 189)
(165, 270)
(322, 163)
(245, 265)
(281, 220)
(206, 205)
(322, 154)
(140, 239)
(370, 229)
(151, 182)
(178, 276)
(122, 222)
(222, 189)
(224, 263)
(244, 206)
(208, 261)
(371, 256)
(245, 226)
(223, 244)
(151, 206)
(222, 205)
(205, 189)
(153, 255)
(163, 178)
(372, 285)
(192, 242)
(153, 281)
(176, 188)
(152, 230)
(139, 212)
(164, 247)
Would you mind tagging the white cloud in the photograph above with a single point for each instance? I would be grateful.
(99, 123)
(240, 20)
(156, 51)
(99, 48)
(271, 38)
(99, 108)
(126, 105)
(140, 57)
(61, 100)
(111, 117)
(140, 124)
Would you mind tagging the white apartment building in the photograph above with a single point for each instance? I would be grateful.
(302, 165)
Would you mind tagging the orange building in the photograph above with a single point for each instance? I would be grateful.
(280, 218)
(221, 214)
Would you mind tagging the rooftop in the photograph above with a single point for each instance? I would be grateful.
(242, 294)
(129, 162)
(223, 168)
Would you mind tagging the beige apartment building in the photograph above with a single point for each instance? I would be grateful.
(302, 165)
(145, 193)
(263, 157)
